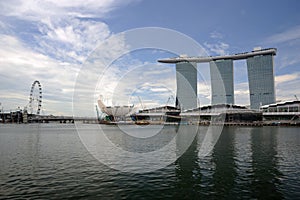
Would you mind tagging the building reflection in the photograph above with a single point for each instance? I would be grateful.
(225, 168)
(187, 168)
(243, 163)
(266, 174)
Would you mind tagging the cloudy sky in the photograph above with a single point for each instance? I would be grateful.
(53, 41)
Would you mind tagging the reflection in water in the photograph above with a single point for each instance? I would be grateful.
(243, 162)
(33, 148)
(211, 176)
(266, 177)
(289, 161)
(188, 173)
(225, 168)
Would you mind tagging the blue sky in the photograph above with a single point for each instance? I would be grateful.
(50, 41)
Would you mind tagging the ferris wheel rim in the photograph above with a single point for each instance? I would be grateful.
(31, 99)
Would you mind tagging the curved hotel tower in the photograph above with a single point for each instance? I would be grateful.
(260, 77)
(222, 89)
(186, 79)
(261, 80)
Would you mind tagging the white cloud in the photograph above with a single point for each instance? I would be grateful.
(285, 36)
(241, 93)
(286, 78)
(288, 59)
(72, 39)
(64, 30)
(62, 35)
(124, 85)
(3, 26)
(159, 89)
(288, 44)
(204, 93)
(35, 10)
(287, 86)
(216, 35)
(288, 91)
(20, 66)
(219, 48)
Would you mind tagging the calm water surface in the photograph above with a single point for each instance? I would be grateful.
(48, 161)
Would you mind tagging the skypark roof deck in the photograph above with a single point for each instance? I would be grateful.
(239, 56)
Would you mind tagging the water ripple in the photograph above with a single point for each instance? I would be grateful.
(49, 162)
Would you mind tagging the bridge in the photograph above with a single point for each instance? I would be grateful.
(20, 117)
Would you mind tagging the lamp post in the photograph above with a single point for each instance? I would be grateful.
(1, 113)
(2, 116)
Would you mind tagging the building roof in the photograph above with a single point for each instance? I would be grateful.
(283, 103)
(218, 106)
(159, 109)
(238, 56)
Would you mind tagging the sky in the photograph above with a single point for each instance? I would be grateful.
(55, 42)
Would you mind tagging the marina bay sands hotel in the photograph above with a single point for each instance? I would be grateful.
(260, 77)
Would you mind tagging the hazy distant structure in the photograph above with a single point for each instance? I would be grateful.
(186, 79)
(260, 76)
(261, 80)
(222, 89)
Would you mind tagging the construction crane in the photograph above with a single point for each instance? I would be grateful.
(141, 103)
(169, 99)
(296, 97)
(97, 110)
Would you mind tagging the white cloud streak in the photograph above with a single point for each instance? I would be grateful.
(286, 78)
(285, 36)
(288, 44)
(216, 35)
(219, 48)
(35, 10)
(287, 86)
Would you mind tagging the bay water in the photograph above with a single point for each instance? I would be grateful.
(49, 161)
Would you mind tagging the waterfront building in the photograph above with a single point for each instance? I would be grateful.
(116, 113)
(288, 111)
(186, 79)
(221, 73)
(157, 115)
(286, 106)
(222, 113)
(260, 76)
(261, 80)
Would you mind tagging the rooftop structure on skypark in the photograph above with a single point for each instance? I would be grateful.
(238, 56)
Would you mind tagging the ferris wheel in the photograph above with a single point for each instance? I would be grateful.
(35, 98)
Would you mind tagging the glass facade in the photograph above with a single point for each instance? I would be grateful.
(186, 79)
(261, 80)
(222, 88)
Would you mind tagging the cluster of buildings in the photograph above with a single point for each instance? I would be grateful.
(260, 76)
(263, 106)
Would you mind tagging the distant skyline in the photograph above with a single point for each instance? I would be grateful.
(50, 40)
